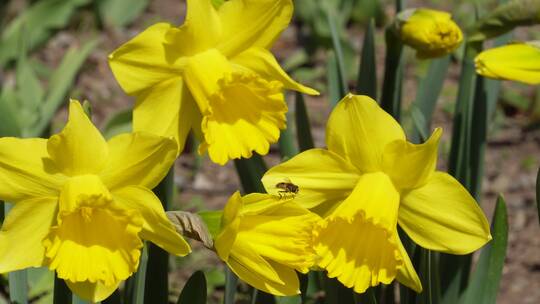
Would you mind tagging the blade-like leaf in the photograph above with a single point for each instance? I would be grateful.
(367, 75)
(485, 280)
(334, 86)
(338, 51)
(231, 281)
(303, 127)
(250, 172)
(393, 75)
(120, 13)
(337, 293)
(18, 281)
(60, 83)
(35, 25)
(194, 291)
(62, 294)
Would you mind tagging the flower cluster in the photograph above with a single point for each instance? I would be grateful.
(84, 205)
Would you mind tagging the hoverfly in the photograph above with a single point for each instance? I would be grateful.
(287, 188)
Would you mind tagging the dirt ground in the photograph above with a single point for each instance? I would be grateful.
(513, 155)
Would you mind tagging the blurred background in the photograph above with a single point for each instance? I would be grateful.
(51, 50)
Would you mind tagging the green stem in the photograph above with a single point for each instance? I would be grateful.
(157, 269)
(62, 294)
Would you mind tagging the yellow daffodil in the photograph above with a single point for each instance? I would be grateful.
(370, 180)
(264, 238)
(518, 62)
(82, 205)
(431, 33)
(214, 74)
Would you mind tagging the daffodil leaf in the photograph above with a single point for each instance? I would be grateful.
(231, 282)
(61, 293)
(303, 127)
(337, 293)
(250, 172)
(120, 12)
(9, 122)
(338, 51)
(18, 280)
(393, 75)
(287, 144)
(119, 122)
(194, 292)
(367, 75)
(484, 283)
(333, 79)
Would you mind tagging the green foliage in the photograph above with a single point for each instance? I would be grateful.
(120, 13)
(367, 74)
(194, 291)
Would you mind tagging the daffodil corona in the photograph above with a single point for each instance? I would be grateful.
(370, 180)
(517, 61)
(431, 33)
(214, 74)
(82, 205)
(264, 239)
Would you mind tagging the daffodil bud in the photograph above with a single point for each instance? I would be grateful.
(518, 62)
(431, 33)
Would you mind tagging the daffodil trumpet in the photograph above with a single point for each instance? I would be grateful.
(214, 75)
(368, 181)
(82, 205)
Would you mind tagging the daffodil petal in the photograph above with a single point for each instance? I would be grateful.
(26, 170)
(406, 274)
(409, 165)
(243, 253)
(172, 102)
(248, 23)
(443, 216)
(156, 227)
(263, 62)
(146, 60)
(291, 286)
(138, 159)
(24, 228)
(321, 176)
(230, 223)
(359, 130)
(92, 292)
(203, 23)
(357, 242)
(79, 148)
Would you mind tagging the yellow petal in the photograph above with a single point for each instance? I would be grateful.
(145, 60)
(156, 227)
(406, 274)
(203, 23)
(171, 102)
(288, 276)
(30, 221)
(322, 177)
(518, 61)
(443, 216)
(96, 242)
(92, 292)
(409, 165)
(262, 62)
(79, 148)
(358, 130)
(230, 222)
(357, 243)
(249, 23)
(26, 170)
(242, 112)
(138, 159)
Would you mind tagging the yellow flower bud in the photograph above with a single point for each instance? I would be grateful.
(518, 62)
(431, 33)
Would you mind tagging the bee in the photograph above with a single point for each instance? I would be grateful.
(287, 188)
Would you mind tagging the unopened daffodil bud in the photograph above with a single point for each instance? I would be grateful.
(431, 33)
(518, 62)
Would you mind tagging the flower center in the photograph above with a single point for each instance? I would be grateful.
(93, 240)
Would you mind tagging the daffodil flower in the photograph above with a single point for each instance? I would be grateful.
(214, 74)
(516, 61)
(264, 239)
(370, 180)
(431, 33)
(82, 206)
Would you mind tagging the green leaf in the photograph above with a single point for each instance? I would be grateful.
(29, 90)
(538, 194)
(333, 80)
(286, 143)
(367, 75)
(429, 90)
(419, 121)
(368, 297)
(250, 172)
(119, 122)
(231, 282)
(393, 75)
(338, 51)
(337, 293)
(135, 285)
(60, 83)
(194, 291)
(303, 127)
(62, 294)
(9, 122)
(485, 281)
(119, 13)
(35, 25)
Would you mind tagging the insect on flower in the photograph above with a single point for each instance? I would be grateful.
(288, 189)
